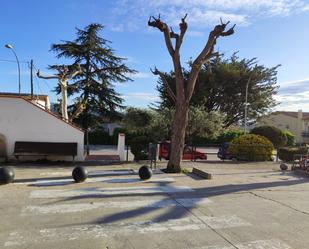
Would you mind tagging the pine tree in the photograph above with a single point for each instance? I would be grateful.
(93, 88)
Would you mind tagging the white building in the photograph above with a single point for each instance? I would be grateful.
(30, 120)
(296, 122)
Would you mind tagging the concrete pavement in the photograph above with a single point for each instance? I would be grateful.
(245, 206)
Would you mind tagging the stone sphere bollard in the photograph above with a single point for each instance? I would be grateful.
(79, 174)
(7, 175)
(283, 166)
(145, 172)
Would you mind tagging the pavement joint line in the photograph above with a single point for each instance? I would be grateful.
(213, 229)
(257, 244)
(278, 202)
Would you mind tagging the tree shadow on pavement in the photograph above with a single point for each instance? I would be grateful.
(178, 210)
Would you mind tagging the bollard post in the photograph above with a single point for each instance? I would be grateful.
(121, 147)
(127, 153)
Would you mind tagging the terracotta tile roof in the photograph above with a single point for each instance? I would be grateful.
(294, 114)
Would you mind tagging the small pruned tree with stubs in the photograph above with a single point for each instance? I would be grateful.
(184, 88)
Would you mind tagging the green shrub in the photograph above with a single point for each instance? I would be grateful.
(228, 136)
(99, 136)
(288, 154)
(273, 134)
(290, 138)
(139, 147)
(250, 147)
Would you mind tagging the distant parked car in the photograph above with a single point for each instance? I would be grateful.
(188, 153)
(224, 153)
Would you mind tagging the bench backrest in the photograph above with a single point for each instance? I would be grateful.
(45, 148)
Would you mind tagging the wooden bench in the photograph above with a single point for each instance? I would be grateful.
(23, 148)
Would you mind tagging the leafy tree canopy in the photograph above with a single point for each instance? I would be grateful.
(156, 125)
(221, 86)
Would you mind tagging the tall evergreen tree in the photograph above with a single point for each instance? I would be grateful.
(93, 88)
(221, 86)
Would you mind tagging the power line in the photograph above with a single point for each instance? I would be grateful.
(49, 88)
(12, 61)
(37, 82)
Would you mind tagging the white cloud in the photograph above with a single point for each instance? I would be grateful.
(294, 83)
(141, 75)
(211, 17)
(132, 15)
(293, 95)
(141, 96)
(293, 102)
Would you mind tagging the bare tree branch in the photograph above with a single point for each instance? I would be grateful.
(183, 28)
(46, 77)
(168, 34)
(162, 77)
(80, 107)
(206, 54)
(184, 90)
(173, 34)
(162, 26)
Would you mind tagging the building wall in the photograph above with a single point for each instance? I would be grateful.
(285, 122)
(23, 121)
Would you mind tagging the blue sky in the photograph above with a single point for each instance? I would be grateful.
(274, 31)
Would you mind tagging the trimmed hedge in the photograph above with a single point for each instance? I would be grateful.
(139, 147)
(288, 154)
(273, 134)
(99, 136)
(250, 147)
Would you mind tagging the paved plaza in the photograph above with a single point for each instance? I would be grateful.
(244, 206)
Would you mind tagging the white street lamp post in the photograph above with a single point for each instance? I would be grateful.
(246, 103)
(9, 46)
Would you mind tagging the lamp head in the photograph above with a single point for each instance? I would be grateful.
(9, 46)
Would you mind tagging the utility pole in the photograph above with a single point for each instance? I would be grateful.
(31, 77)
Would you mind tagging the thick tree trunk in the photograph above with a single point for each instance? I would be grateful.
(64, 103)
(184, 91)
(178, 138)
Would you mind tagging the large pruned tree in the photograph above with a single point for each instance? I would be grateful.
(221, 86)
(184, 88)
(93, 87)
